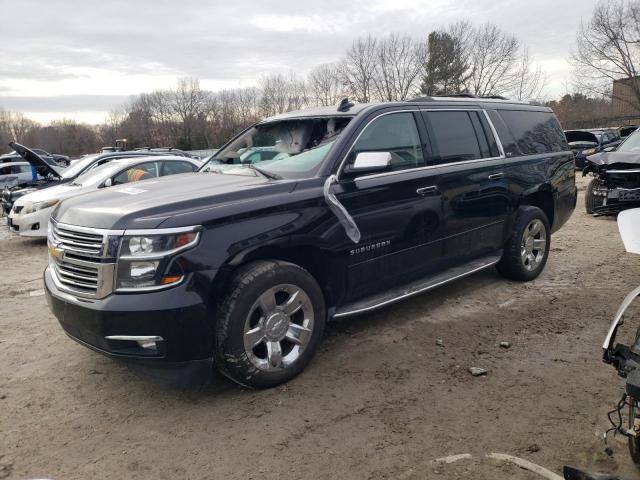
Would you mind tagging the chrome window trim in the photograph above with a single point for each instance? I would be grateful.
(502, 155)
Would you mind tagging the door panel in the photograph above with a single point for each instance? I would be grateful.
(400, 228)
(475, 197)
(397, 212)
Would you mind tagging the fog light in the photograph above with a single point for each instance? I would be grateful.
(148, 344)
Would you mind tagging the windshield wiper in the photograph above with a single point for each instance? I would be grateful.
(264, 173)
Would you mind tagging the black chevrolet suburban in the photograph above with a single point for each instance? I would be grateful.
(239, 266)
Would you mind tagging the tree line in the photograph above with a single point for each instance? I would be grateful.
(460, 58)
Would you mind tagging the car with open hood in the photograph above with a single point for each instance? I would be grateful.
(584, 143)
(239, 266)
(49, 174)
(615, 185)
(30, 214)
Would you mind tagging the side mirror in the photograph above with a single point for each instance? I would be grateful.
(107, 183)
(370, 162)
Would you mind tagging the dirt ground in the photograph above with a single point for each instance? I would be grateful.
(380, 400)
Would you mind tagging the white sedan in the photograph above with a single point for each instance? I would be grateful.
(30, 214)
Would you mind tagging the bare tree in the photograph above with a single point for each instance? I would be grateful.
(529, 79)
(324, 84)
(493, 55)
(608, 48)
(188, 103)
(397, 67)
(358, 69)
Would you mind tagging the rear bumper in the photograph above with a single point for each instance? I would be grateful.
(183, 355)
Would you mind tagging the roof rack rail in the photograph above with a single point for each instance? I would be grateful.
(433, 98)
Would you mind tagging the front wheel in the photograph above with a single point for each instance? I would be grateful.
(591, 200)
(527, 249)
(270, 324)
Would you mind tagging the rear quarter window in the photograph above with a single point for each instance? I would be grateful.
(531, 132)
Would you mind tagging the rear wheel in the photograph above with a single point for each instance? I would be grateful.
(591, 200)
(527, 249)
(270, 324)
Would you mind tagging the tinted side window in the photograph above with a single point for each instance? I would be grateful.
(534, 132)
(171, 168)
(395, 133)
(456, 135)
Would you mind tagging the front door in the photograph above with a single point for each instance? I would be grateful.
(398, 212)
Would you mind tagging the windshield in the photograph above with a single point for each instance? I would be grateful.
(97, 174)
(631, 144)
(78, 167)
(288, 149)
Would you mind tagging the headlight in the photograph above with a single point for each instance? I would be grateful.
(147, 261)
(34, 207)
(590, 151)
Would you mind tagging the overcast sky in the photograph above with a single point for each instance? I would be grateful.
(100, 52)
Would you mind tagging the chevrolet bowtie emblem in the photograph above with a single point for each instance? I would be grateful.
(56, 252)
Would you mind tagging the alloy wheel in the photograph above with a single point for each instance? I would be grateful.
(278, 327)
(534, 245)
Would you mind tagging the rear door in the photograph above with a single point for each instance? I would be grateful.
(397, 211)
(472, 182)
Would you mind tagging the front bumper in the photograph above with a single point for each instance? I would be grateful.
(30, 224)
(178, 316)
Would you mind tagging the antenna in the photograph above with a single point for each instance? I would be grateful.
(345, 105)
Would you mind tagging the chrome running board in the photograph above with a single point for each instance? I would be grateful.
(417, 287)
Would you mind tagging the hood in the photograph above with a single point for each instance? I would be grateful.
(36, 160)
(615, 158)
(59, 192)
(579, 136)
(149, 203)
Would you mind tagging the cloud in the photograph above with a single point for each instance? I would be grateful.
(119, 47)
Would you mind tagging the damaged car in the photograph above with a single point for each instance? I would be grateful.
(584, 143)
(238, 267)
(616, 178)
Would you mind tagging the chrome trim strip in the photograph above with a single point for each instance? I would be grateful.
(136, 338)
(161, 231)
(90, 230)
(422, 290)
(631, 170)
(150, 289)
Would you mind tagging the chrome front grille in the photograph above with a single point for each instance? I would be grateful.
(82, 259)
(81, 241)
(83, 278)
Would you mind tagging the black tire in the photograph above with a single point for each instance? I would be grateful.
(512, 265)
(591, 201)
(238, 310)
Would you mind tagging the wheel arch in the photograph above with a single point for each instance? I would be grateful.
(544, 199)
(314, 259)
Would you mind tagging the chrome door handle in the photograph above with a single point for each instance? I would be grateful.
(427, 190)
(496, 176)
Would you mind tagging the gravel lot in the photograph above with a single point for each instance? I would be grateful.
(381, 400)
